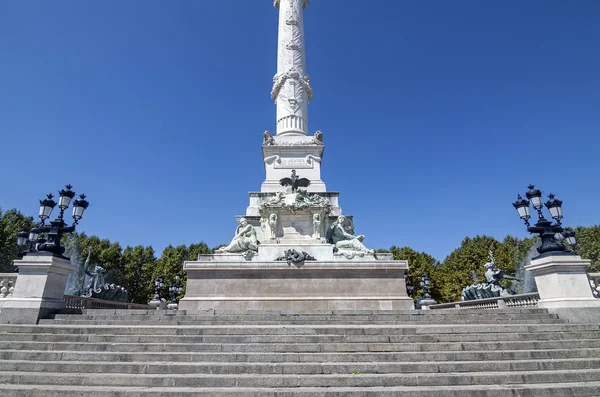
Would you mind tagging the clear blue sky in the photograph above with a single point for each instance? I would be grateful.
(435, 113)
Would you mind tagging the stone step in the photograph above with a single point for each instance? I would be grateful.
(281, 357)
(245, 329)
(298, 368)
(314, 317)
(165, 346)
(579, 389)
(249, 313)
(313, 380)
(184, 323)
(300, 339)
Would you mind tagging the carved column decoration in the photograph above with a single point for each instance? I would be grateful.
(291, 85)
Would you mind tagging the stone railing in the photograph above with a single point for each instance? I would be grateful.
(7, 285)
(80, 302)
(595, 283)
(502, 302)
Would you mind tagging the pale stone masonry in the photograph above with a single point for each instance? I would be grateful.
(294, 217)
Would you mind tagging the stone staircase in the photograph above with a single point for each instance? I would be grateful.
(502, 352)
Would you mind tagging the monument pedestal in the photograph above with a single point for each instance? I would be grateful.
(39, 289)
(228, 281)
(564, 287)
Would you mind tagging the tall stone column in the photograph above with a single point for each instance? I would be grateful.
(291, 85)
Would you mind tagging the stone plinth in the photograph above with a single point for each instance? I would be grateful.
(39, 289)
(562, 282)
(231, 282)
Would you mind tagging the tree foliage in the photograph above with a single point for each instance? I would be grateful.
(11, 223)
(588, 245)
(419, 263)
(464, 265)
(136, 268)
(138, 264)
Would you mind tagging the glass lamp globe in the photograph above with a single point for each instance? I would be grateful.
(65, 197)
(522, 207)
(555, 207)
(534, 196)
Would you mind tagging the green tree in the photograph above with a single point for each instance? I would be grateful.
(138, 264)
(11, 223)
(419, 263)
(172, 259)
(588, 245)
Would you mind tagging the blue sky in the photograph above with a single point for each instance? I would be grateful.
(435, 114)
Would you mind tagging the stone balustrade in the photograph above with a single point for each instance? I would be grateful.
(595, 283)
(80, 302)
(7, 286)
(501, 302)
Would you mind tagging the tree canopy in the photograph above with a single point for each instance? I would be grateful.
(136, 268)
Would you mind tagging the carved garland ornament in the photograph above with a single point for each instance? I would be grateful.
(280, 79)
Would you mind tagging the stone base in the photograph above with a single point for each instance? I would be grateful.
(559, 303)
(564, 287)
(13, 315)
(578, 315)
(39, 289)
(322, 285)
(562, 281)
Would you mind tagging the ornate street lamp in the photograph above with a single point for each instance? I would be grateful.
(550, 234)
(57, 227)
(174, 291)
(409, 287)
(22, 239)
(425, 286)
(21, 242)
(159, 283)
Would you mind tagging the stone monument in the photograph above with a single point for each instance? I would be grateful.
(293, 249)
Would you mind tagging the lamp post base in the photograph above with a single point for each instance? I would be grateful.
(39, 289)
(564, 287)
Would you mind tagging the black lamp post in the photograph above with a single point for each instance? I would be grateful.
(159, 283)
(425, 286)
(550, 234)
(409, 287)
(21, 242)
(174, 291)
(57, 227)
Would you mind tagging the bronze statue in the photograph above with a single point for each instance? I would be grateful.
(295, 182)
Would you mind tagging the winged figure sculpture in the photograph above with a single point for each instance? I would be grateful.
(295, 182)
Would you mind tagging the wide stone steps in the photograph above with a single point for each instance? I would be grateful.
(280, 357)
(359, 340)
(575, 389)
(286, 380)
(261, 368)
(305, 322)
(142, 317)
(578, 343)
(520, 352)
